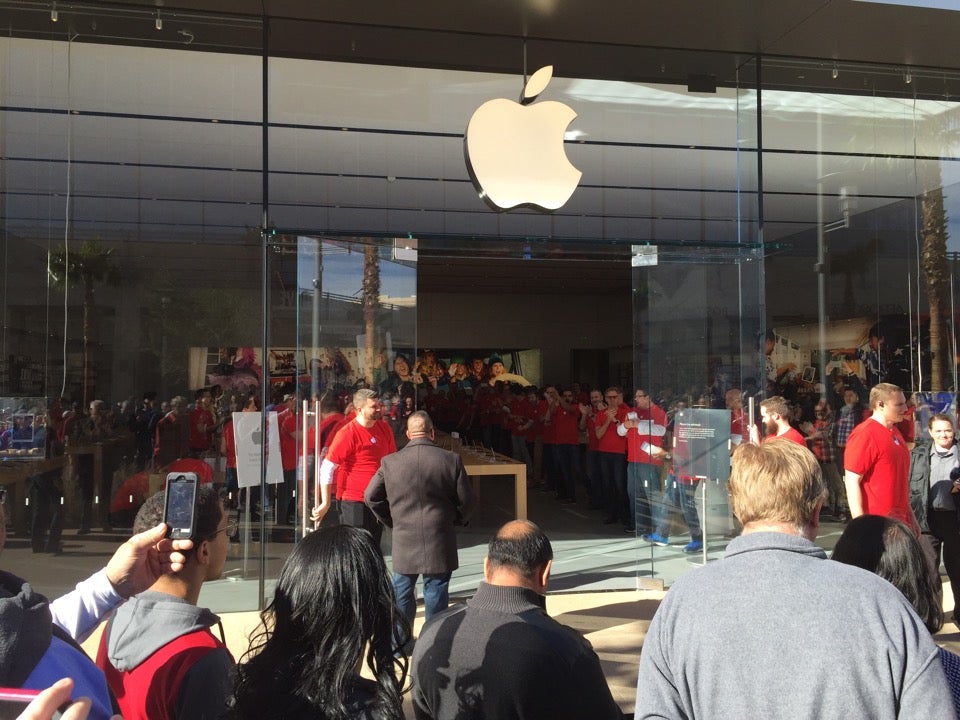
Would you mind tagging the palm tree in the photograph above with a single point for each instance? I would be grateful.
(92, 265)
(371, 302)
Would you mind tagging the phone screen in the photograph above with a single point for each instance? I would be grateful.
(181, 502)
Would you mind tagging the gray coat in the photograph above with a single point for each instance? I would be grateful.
(422, 492)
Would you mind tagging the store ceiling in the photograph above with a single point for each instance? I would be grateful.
(641, 41)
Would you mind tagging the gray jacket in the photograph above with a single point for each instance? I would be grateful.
(422, 492)
(775, 630)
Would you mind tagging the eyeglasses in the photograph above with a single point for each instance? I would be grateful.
(230, 529)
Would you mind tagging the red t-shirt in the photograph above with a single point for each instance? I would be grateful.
(593, 443)
(201, 440)
(790, 434)
(565, 430)
(549, 433)
(358, 451)
(611, 441)
(230, 443)
(652, 429)
(881, 458)
(287, 425)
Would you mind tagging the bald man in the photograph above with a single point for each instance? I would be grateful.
(500, 655)
(422, 492)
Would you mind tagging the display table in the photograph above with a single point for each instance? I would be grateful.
(14, 474)
(478, 462)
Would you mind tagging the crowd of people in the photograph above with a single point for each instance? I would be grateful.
(731, 640)
(337, 639)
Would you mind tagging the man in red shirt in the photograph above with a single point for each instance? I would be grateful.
(877, 461)
(357, 450)
(774, 413)
(644, 429)
(201, 424)
(562, 415)
(612, 449)
(289, 446)
(588, 423)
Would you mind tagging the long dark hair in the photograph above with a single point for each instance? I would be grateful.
(333, 596)
(889, 549)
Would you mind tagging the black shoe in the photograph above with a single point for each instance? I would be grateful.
(630, 529)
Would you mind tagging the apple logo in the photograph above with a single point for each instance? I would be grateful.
(514, 151)
(257, 437)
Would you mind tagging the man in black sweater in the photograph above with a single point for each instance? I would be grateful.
(500, 655)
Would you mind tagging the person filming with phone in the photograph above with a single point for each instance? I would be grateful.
(39, 649)
(159, 656)
(934, 484)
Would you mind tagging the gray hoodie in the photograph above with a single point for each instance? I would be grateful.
(147, 623)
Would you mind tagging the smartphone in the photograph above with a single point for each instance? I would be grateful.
(180, 508)
(13, 701)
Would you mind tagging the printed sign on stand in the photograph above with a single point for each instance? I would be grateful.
(248, 434)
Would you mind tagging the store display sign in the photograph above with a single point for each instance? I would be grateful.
(248, 435)
(701, 443)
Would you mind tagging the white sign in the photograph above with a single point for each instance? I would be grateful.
(248, 436)
(515, 152)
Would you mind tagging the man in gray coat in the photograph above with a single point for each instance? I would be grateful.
(422, 492)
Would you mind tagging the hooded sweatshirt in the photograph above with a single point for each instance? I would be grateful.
(35, 654)
(162, 661)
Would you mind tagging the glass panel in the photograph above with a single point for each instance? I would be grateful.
(859, 234)
(129, 255)
(327, 297)
(697, 320)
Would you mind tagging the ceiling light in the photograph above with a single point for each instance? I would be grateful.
(54, 15)
(907, 77)
(836, 71)
(159, 22)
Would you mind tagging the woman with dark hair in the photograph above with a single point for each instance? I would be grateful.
(333, 597)
(888, 548)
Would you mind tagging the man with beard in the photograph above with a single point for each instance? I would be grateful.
(774, 413)
(357, 450)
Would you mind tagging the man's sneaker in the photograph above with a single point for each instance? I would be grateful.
(693, 546)
(656, 539)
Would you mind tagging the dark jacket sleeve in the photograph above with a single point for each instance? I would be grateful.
(920, 483)
(207, 687)
(466, 500)
(375, 496)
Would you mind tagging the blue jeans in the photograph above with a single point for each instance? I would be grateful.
(613, 470)
(566, 457)
(642, 479)
(594, 478)
(678, 493)
(435, 594)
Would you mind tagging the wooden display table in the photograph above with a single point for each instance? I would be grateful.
(479, 462)
(14, 474)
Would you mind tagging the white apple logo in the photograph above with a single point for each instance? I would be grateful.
(515, 152)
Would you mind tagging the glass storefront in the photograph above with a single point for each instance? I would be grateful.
(178, 218)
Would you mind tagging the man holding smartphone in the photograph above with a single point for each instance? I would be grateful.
(157, 652)
(40, 637)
